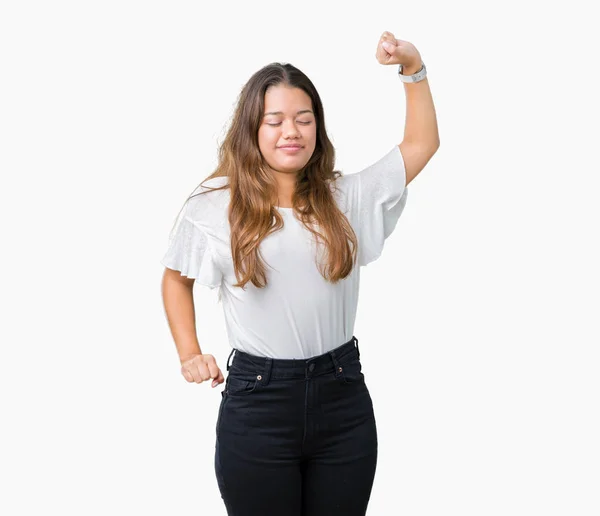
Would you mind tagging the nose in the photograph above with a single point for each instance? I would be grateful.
(290, 130)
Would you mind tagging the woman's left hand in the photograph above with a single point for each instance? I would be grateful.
(392, 51)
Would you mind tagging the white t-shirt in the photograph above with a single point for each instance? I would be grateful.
(298, 314)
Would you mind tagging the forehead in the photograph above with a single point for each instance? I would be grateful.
(286, 100)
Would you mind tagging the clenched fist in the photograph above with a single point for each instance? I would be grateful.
(200, 368)
(392, 51)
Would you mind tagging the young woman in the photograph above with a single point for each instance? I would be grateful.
(283, 235)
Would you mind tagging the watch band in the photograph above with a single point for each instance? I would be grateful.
(415, 77)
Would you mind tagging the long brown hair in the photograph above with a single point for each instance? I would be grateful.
(253, 190)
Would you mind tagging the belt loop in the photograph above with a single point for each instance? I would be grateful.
(357, 348)
(229, 358)
(267, 371)
(336, 364)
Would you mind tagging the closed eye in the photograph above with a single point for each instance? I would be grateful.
(303, 123)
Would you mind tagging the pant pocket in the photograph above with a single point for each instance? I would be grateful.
(351, 372)
(237, 385)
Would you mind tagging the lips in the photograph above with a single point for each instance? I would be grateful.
(290, 147)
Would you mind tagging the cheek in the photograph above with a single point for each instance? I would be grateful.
(311, 136)
(267, 138)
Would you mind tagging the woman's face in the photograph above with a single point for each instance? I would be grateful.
(288, 120)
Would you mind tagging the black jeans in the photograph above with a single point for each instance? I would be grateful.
(296, 437)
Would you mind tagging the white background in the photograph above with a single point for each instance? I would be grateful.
(478, 326)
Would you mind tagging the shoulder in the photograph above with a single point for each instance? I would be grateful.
(383, 176)
(205, 200)
(385, 172)
(207, 209)
(391, 158)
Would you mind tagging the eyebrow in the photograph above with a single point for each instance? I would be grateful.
(281, 112)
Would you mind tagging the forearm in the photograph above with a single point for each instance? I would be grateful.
(421, 122)
(178, 301)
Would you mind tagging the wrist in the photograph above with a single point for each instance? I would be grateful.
(184, 358)
(412, 68)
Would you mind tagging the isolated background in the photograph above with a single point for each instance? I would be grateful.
(478, 326)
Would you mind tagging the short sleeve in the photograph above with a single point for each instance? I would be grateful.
(381, 199)
(190, 250)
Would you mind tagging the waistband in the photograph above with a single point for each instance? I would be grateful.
(292, 367)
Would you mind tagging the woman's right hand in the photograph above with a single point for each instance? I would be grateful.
(200, 368)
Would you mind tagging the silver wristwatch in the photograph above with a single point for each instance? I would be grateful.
(415, 77)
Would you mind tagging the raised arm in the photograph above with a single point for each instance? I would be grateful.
(421, 137)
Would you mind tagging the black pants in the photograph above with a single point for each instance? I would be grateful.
(296, 437)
